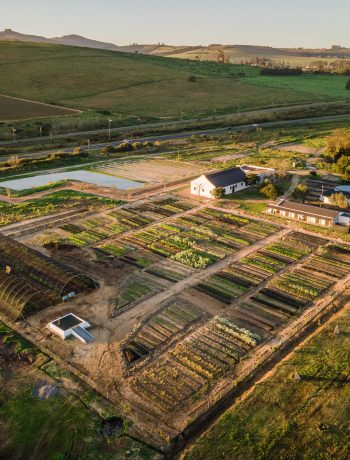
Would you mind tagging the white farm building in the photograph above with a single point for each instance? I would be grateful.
(71, 325)
(231, 180)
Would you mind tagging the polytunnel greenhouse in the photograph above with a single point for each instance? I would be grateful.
(30, 281)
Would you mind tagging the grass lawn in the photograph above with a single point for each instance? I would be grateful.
(287, 419)
(56, 202)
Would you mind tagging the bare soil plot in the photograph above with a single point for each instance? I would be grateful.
(297, 147)
(12, 108)
(157, 171)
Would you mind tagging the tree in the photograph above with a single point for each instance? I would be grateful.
(338, 144)
(218, 193)
(300, 191)
(347, 86)
(14, 160)
(342, 164)
(108, 149)
(339, 200)
(251, 179)
(270, 191)
(78, 151)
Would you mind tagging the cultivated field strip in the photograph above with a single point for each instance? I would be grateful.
(93, 230)
(251, 271)
(201, 238)
(298, 270)
(193, 364)
(158, 329)
(287, 294)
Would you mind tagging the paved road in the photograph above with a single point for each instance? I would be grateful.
(125, 129)
(186, 135)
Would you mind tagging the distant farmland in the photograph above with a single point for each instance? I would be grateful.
(134, 87)
(17, 109)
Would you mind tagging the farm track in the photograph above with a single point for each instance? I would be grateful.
(183, 135)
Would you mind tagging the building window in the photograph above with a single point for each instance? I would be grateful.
(194, 188)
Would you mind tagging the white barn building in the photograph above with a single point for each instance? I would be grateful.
(231, 180)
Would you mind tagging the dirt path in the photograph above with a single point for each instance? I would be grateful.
(294, 182)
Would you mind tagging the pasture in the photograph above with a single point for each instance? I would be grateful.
(132, 86)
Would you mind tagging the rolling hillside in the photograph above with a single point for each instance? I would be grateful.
(134, 86)
(236, 53)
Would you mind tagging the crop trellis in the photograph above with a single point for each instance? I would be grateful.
(30, 281)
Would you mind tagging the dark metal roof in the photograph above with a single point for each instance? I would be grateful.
(67, 322)
(304, 209)
(227, 177)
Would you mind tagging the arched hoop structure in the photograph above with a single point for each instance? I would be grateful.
(18, 298)
(24, 273)
(70, 283)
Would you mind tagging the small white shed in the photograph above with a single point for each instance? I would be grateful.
(71, 325)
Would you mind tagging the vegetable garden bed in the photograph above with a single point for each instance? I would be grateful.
(195, 364)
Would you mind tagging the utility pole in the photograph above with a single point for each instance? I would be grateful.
(41, 133)
(109, 128)
(88, 143)
(51, 136)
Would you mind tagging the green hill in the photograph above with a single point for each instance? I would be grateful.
(138, 87)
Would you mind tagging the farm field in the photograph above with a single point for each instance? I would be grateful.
(239, 53)
(157, 171)
(189, 296)
(319, 85)
(153, 92)
(173, 336)
(16, 109)
(282, 417)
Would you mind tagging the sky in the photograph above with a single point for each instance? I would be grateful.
(280, 23)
